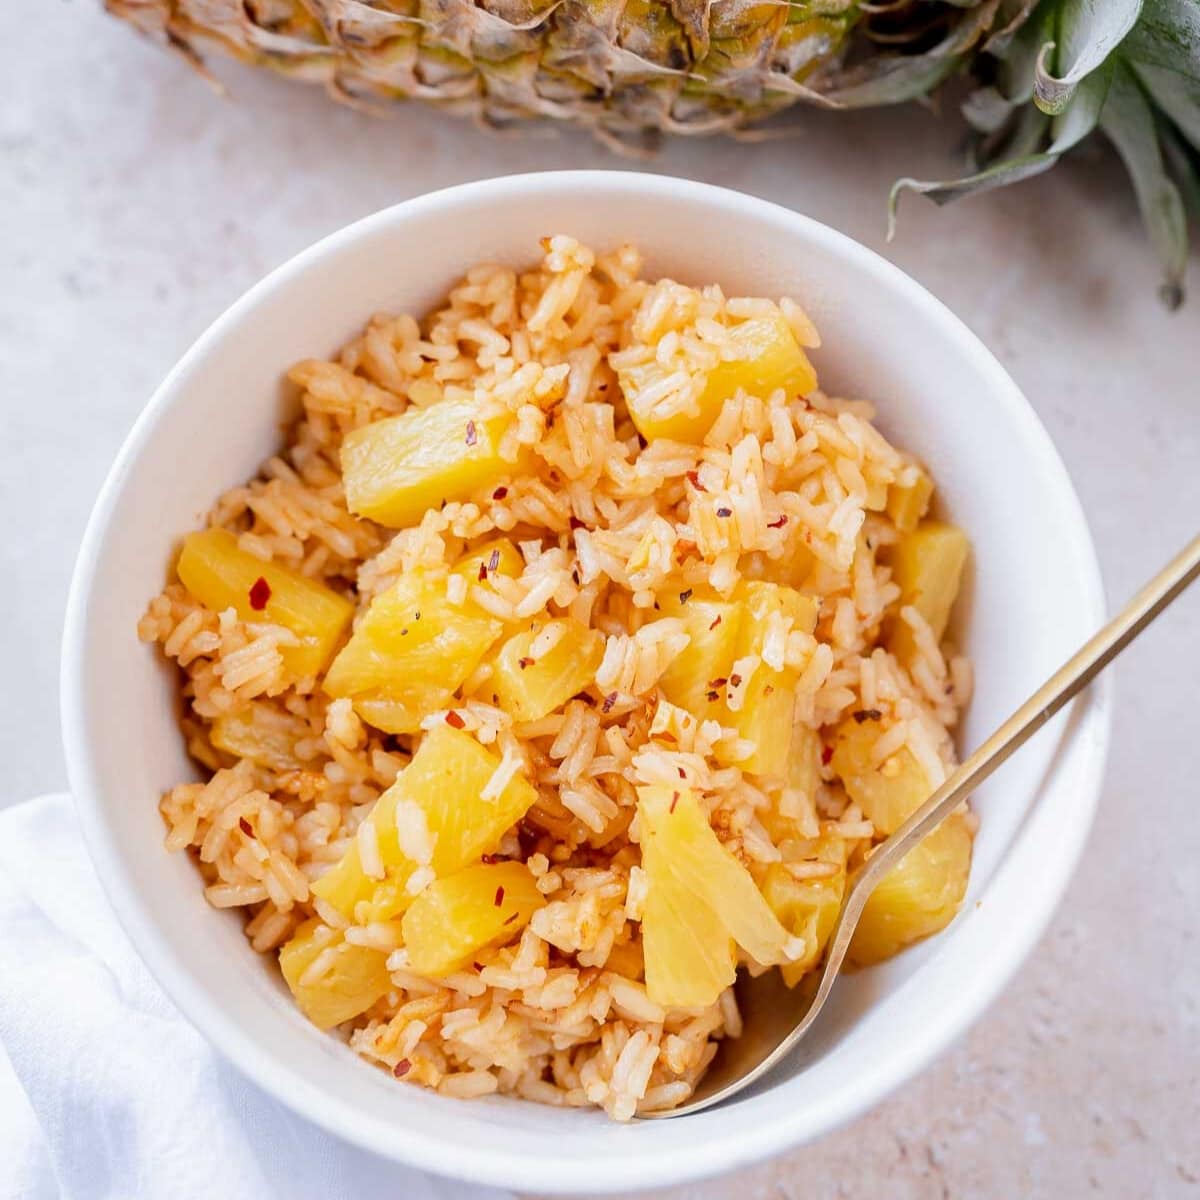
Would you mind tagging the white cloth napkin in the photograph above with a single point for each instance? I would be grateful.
(111, 1093)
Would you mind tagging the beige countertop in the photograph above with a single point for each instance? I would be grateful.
(137, 205)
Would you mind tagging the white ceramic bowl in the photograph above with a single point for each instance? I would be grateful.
(1034, 594)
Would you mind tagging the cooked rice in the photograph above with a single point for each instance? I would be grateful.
(603, 522)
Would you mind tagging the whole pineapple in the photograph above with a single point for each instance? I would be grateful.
(1049, 71)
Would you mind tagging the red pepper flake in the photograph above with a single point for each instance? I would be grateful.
(768, 689)
(246, 827)
(510, 920)
(260, 593)
(454, 720)
(489, 859)
(684, 597)
(609, 701)
(500, 493)
(724, 512)
(736, 680)
(867, 714)
(483, 572)
(402, 1068)
(713, 695)
(693, 477)
(499, 897)
(682, 773)
(494, 560)
(674, 801)
(716, 622)
(576, 523)
(826, 755)
(472, 436)
(524, 662)
(719, 682)
(778, 524)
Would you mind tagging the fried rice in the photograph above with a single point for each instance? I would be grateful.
(605, 522)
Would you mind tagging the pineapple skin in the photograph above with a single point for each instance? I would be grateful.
(623, 67)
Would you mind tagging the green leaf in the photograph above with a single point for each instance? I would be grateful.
(893, 78)
(1088, 32)
(1177, 95)
(986, 110)
(1022, 158)
(1183, 165)
(1128, 122)
(1167, 35)
(1019, 68)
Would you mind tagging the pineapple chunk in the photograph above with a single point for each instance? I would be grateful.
(456, 917)
(528, 688)
(497, 557)
(888, 793)
(712, 626)
(769, 701)
(262, 734)
(220, 576)
(765, 356)
(799, 786)
(918, 898)
(908, 503)
(807, 908)
(688, 953)
(927, 564)
(410, 653)
(353, 979)
(696, 886)
(398, 468)
(444, 780)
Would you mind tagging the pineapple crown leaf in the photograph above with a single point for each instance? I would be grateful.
(1128, 122)
(1088, 32)
(1141, 90)
(895, 78)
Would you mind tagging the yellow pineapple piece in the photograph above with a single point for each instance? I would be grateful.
(808, 907)
(769, 702)
(918, 898)
(496, 557)
(220, 576)
(908, 503)
(445, 781)
(398, 468)
(888, 793)
(688, 955)
(927, 564)
(456, 917)
(689, 871)
(261, 734)
(799, 785)
(410, 653)
(353, 979)
(627, 959)
(529, 687)
(712, 626)
(765, 356)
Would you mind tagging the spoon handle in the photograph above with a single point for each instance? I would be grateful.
(1062, 686)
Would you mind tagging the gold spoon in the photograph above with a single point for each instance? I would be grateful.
(774, 1018)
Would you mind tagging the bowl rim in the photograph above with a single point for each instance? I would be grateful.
(594, 1174)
